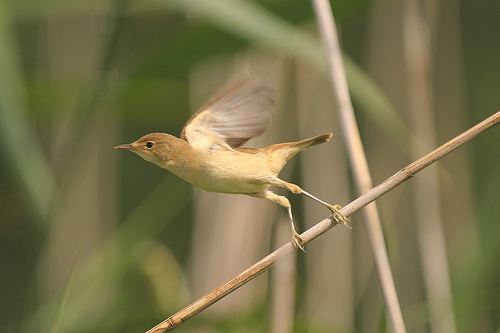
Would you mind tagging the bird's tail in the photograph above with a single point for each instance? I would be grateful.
(289, 149)
(303, 144)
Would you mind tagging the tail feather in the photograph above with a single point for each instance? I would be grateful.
(290, 149)
(314, 141)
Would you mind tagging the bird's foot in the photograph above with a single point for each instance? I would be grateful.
(337, 215)
(297, 240)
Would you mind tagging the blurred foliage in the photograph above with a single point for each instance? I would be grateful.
(82, 226)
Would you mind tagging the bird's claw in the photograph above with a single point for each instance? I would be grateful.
(297, 241)
(337, 215)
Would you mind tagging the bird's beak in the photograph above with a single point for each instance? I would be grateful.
(127, 146)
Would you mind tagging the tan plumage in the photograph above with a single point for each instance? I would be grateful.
(208, 153)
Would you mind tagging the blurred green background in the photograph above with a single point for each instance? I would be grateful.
(98, 240)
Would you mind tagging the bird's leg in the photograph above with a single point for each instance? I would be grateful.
(283, 201)
(334, 209)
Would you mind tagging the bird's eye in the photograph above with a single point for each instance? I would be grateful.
(150, 144)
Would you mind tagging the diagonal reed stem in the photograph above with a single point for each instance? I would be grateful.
(321, 227)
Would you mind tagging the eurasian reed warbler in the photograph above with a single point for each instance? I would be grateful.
(208, 153)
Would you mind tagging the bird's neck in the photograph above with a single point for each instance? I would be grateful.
(180, 159)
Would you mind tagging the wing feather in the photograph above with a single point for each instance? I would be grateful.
(239, 112)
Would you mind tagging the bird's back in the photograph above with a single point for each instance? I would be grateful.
(278, 154)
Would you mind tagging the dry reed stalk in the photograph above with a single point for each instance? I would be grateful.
(321, 227)
(358, 162)
(417, 26)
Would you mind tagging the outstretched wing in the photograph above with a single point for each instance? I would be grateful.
(239, 112)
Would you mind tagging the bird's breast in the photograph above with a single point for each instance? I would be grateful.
(229, 171)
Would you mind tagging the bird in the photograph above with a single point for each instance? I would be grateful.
(208, 153)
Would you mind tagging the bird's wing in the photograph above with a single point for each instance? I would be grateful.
(239, 112)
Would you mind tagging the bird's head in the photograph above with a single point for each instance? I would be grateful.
(155, 147)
